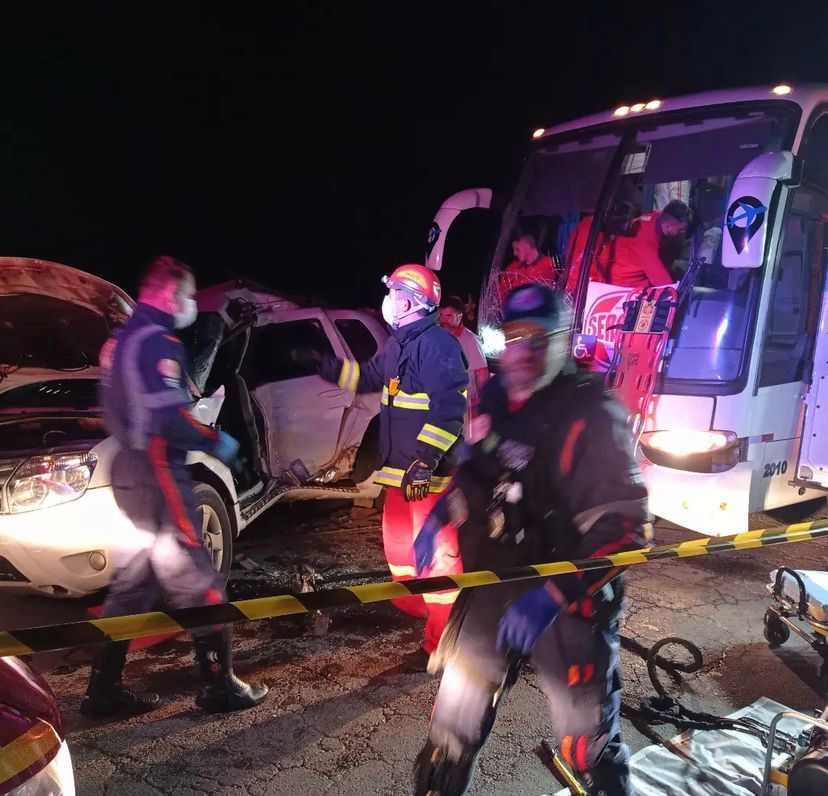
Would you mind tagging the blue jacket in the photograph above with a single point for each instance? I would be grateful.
(422, 375)
(144, 391)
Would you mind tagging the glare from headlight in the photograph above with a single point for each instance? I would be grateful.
(685, 442)
(44, 481)
(492, 340)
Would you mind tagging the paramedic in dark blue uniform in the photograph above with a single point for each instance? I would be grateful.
(161, 557)
(552, 477)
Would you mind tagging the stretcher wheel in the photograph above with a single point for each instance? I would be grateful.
(776, 631)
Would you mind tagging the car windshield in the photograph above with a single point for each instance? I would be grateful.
(684, 163)
(45, 332)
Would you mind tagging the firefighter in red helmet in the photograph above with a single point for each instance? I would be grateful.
(422, 376)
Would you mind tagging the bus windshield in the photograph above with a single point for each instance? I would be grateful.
(665, 182)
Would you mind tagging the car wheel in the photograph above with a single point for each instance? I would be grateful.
(216, 529)
(368, 456)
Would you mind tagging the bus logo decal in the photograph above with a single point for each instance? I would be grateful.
(744, 219)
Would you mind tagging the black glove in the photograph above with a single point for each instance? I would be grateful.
(416, 481)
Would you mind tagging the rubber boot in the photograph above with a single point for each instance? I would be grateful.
(105, 695)
(611, 775)
(436, 774)
(222, 690)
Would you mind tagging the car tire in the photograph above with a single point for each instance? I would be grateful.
(216, 528)
(368, 456)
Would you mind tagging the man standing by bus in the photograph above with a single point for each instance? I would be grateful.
(451, 319)
(423, 380)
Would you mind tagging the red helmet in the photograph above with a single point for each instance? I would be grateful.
(419, 281)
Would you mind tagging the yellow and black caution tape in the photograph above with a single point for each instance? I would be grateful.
(121, 628)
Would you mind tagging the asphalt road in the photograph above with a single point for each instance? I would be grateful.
(343, 716)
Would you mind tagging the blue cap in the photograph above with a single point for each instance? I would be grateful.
(539, 304)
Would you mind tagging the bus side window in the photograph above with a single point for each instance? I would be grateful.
(795, 295)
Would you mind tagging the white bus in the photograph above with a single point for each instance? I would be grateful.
(736, 423)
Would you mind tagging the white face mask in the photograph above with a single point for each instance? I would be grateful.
(187, 314)
(388, 310)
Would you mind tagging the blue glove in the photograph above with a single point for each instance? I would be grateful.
(226, 448)
(525, 619)
(424, 544)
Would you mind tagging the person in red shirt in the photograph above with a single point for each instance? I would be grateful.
(575, 255)
(529, 266)
(644, 257)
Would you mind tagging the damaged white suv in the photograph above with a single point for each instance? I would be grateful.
(252, 349)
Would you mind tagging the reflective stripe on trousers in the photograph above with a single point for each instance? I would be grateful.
(401, 522)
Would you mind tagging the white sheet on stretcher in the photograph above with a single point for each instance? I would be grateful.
(710, 762)
(816, 587)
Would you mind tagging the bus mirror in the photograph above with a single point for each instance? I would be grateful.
(469, 199)
(745, 224)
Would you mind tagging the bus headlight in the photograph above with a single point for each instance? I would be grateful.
(688, 449)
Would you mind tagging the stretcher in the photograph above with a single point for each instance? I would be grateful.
(639, 349)
(800, 599)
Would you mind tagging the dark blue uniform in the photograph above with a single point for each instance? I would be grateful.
(147, 409)
(555, 479)
(422, 375)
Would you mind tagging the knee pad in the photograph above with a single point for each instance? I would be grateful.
(437, 774)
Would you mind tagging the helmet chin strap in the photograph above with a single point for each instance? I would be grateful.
(415, 307)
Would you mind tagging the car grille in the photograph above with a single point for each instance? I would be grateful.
(7, 467)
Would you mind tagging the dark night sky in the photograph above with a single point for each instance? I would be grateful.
(309, 147)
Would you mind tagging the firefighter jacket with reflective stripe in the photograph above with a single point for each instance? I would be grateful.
(421, 375)
(143, 387)
(554, 480)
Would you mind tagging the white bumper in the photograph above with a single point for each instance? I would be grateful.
(63, 551)
(713, 504)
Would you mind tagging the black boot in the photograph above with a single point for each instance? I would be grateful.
(436, 774)
(611, 774)
(105, 695)
(222, 690)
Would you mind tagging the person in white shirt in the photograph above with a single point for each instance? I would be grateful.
(451, 319)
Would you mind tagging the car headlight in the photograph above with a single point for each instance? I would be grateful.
(697, 451)
(44, 481)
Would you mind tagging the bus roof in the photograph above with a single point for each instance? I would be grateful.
(807, 96)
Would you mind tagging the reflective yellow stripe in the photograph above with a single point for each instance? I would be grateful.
(349, 375)
(441, 597)
(402, 570)
(390, 476)
(407, 400)
(393, 476)
(439, 483)
(37, 743)
(437, 437)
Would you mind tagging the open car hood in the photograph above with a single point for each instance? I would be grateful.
(45, 278)
(53, 321)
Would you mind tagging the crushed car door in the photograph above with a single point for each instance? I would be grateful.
(302, 412)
